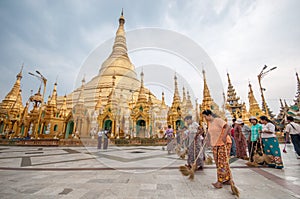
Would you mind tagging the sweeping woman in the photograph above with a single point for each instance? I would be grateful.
(270, 143)
(254, 137)
(195, 143)
(219, 136)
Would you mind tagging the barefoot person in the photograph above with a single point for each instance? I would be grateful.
(169, 134)
(270, 143)
(240, 140)
(218, 132)
(195, 139)
(293, 129)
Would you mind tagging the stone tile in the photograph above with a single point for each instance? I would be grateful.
(139, 183)
(165, 187)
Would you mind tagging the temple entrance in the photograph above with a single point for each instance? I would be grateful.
(179, 124)
(69, 129)
(141, 128)
(1, 127)
(22, 130)
(107, 124)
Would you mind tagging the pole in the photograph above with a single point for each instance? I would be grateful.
(261, 74)
(40, 110)
(262, 95)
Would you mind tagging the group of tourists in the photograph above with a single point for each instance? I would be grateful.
(238, 140)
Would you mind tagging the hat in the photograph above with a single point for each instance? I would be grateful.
(239, 121)
(253, 118)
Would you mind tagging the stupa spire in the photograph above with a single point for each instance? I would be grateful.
(233, 104)
(117, 64)
(176, 97)
(12, 96)
(142, 98)
(183, 97)
(53, 100)
(112, 98)
(189, 104)
(63, 108)
(207, 100)
(99, 102)
(254, 109)
(81, 94)
(163, 103)
(120, 46)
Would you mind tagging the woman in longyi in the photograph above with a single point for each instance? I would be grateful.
(219, 136)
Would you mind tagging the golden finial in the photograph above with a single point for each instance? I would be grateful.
(229, 81)
(83, 80)
(19, 76)
(122, 19)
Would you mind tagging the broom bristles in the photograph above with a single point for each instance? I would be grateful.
(258, 159)
(208, 160)
(183, 153)
(251, 164)
(177, 150)
(182, 156)
(267, 159)
(192, 171)
(234, 189)
(184, 170)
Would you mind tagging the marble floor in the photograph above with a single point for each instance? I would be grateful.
(133, 173)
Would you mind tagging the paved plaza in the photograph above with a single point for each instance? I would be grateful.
(132, 172)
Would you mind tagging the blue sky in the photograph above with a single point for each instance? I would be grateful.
(55, 37)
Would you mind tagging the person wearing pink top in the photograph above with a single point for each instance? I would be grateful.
(219, 137)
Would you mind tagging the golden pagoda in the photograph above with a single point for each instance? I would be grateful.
(117, 64)
(102, 110)
(207, 101)
(140, 113)
(233, 104)
(254, 109)
(107, 117)
(11, 108)
(175, 116)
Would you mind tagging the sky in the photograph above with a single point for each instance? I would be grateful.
(240, 37)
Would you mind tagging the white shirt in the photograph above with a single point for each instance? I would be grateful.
(292, 130)
(100, 133)
(270, 128)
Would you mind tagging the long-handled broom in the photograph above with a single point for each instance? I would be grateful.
(252, 163)
(234, 189)
(187, 171)
(266, 158)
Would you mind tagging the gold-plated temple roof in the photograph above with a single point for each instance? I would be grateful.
(254, 109)
(13, 99)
